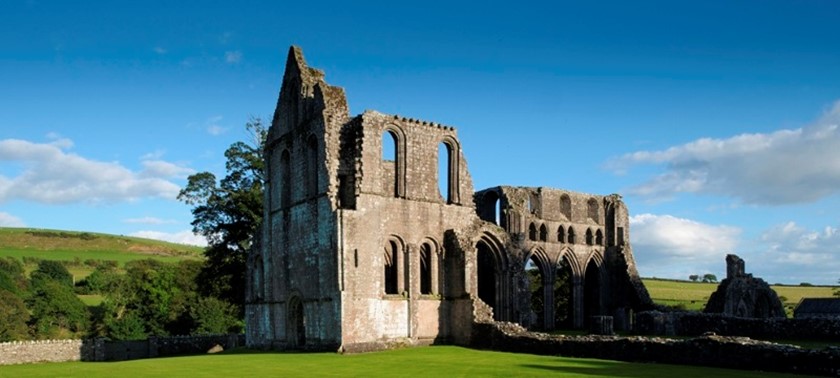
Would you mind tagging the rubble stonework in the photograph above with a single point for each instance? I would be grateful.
(360, 249)
(742, 295)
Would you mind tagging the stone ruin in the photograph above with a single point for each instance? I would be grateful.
(366, 242)
(742, 295)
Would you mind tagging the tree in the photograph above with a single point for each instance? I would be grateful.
(694, 277)
(52, 270)
(229, 214)
(13, 317)
(56, 310)
(708, 277)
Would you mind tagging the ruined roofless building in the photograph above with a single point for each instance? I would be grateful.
(360, 250)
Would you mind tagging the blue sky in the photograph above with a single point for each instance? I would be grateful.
(717, 121)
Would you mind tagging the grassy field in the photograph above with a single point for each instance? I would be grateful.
(694, 295)
(81, 246)
(437, 361)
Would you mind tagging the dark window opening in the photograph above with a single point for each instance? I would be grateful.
(425, 269)
(391, 272)
(543, 233)
(532, 232)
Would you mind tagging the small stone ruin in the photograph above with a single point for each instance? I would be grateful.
(743, 295)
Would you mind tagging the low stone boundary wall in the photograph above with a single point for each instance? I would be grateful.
(698, 323)
(24, 352)
(715, 351)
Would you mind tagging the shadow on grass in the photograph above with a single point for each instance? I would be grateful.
(595, 369)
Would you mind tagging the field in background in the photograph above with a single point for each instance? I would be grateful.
(694, 295)
(436, 361)
(78, 247)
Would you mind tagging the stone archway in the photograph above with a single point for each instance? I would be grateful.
(487, 275)
(296, 322)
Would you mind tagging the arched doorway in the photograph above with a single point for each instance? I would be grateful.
(591, 291)
(296, 323)
(536, 287)
(487, 276)
(563, 295)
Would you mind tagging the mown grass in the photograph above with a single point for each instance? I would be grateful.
(437, 361)
(694, 295)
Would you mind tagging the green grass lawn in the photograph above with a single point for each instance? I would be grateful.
(437, 361)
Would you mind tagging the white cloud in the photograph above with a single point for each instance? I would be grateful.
(159, 50)
(791, 244)
(783, 167)
(148, 220)
(233, 57)
(667, 246)
(183, 237)
(213, 127)
(9, 220)
(52, 175)
(164, 169)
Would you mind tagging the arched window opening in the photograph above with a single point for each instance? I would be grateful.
(561, 234)
(588, 236)
(536, 281)
(445, 187)
(285, 180)
(312, 166)
(532, 232)
(425, 269)
(591, 291)
(571, 235)
(599, 237)
(486, 276)
(390, 162)
(592, 210)
(543, 233)
(563, 301)
(391, 271)
(566, 206)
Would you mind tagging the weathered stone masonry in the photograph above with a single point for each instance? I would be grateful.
(360, 248)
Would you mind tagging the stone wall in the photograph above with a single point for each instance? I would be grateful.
(715, 351)
(695, 324)
(25, 352)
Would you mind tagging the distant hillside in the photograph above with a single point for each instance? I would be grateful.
(81, 246)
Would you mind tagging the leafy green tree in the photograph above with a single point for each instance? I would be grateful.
(13, 317)
(56, 309)
(12, 277)
(52, 270)
(709, 278)
(215, 316)
(693, 277)
(228, 214)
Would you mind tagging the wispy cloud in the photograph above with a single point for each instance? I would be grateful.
(784, 167)
(159, 50)
(148, 220)
(233, 57)
(213, 126)
(182, 237)
(9, 220)
(52, 175)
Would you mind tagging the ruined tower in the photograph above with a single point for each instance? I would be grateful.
(372, 236)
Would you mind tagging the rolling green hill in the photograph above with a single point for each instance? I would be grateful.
(694, 295)
(29, 244)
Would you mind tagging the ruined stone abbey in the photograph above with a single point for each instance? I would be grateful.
(367, 242)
